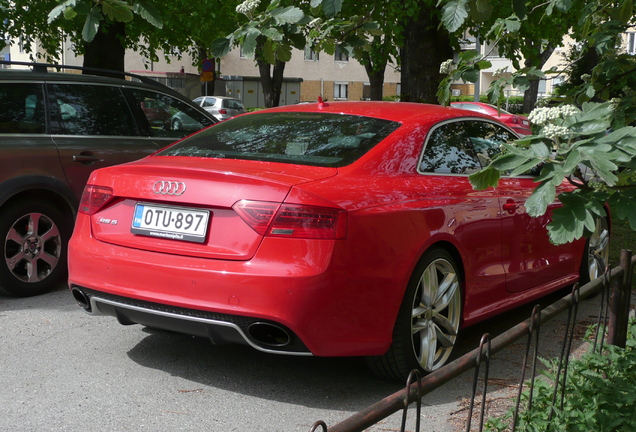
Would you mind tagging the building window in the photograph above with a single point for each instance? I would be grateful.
(366, 91)
(340, 55)
(631, 43)
(310, 55)
(340, 90)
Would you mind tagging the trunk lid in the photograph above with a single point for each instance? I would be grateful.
(156, 199)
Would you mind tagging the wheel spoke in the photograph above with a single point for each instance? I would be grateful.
(446, 291)
(428, 286)
(442, 339)
(53, 232)
(15, 236)
(444, 325)
(428, 347)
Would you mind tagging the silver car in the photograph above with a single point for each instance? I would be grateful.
(220, 107)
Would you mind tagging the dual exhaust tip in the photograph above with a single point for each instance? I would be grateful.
(264, 333)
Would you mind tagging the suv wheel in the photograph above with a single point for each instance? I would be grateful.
(34, 242)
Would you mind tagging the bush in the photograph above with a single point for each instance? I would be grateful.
(600, 394)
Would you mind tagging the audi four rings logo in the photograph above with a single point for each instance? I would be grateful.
(164, 187)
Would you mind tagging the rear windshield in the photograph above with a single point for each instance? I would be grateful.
(318, 139)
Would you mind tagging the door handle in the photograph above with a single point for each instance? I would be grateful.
(85, 158)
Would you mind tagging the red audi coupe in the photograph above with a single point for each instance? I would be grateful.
(326, 229)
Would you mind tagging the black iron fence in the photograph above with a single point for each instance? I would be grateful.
(614, 288)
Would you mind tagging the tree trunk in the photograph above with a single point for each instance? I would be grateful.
(426, 46)
(375, 73)
(376, 80)
(106, 51)
(530, 96)
(272, 82)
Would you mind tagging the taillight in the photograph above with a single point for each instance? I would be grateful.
(293, 220)
(94, 198)
(222, 111)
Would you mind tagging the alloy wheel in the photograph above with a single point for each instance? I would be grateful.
(436, 314)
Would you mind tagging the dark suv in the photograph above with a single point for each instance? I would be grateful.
(55, 129)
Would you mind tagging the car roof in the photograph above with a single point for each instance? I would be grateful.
(40, 72)
(394, 111)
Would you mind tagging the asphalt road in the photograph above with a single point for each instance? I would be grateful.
(62, 370)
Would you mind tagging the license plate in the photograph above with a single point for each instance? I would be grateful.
(177, 223)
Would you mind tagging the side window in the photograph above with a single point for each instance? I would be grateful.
(208, 102)
(91, 110)
(463, 147)
(164, 116)
(21, 108)
(449, 151)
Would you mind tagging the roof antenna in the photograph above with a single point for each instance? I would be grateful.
(322, 103)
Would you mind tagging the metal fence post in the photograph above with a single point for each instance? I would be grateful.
(619, 303)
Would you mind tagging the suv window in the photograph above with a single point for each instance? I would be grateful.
(91, 110)
(21, 108)
(463, 147)
(164, 116)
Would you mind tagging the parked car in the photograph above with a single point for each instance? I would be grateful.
(519, 124)
(55, 129)
(327, 229)
(221, 107)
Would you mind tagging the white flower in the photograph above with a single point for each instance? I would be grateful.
(446, 67)
(553, 131)
(541, 116)
(248, 6)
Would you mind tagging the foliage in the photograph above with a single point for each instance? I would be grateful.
(113, 10)
(284, 24)
(600, 394)
(171, 26)
(572, 143)
(591, 145)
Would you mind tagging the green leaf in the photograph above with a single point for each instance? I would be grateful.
(541, 198)
(454, 13)
(315, 3)
(91, 25)
(288, 15)
(220, 47)
(627, 11)
(509, 161)
(70, 13)
(484, 179)
(519, 7)
(273, 34)
(117, 10)
(249, 43)
(513, 24)
(283, 53)
(60, 9)
(331, 8)
(470, 75)
(148, 12)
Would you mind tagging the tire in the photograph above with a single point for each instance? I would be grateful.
(426, 328)
(596, 254)
(34, 243)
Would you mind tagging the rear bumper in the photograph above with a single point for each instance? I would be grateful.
(221, 329)
(299, 291)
